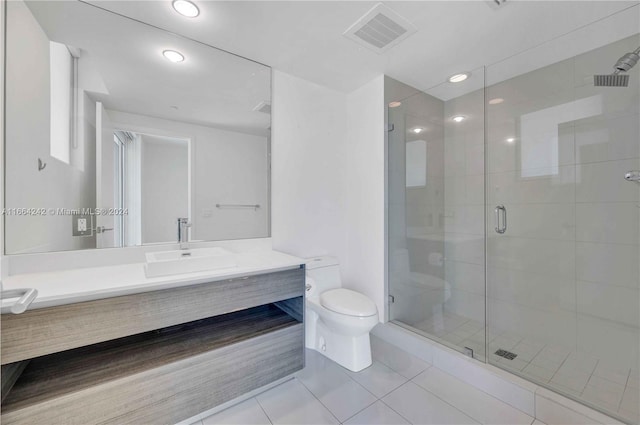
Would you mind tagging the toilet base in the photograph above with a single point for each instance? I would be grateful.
(351, 352)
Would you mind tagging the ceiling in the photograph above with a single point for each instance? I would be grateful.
(121, 65)
(304, 38)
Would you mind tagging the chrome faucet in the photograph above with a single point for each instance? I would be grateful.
(183, 235)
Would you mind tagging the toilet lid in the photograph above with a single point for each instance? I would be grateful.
(346, 301)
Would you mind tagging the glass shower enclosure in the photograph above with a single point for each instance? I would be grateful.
(436, 212)
(513, 235)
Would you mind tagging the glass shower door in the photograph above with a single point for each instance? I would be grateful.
(436, 211)
(563, 282)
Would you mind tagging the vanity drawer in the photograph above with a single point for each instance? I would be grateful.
(50, 330)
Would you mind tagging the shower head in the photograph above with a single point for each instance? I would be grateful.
(624, 64)
(611, 80)
(628, 61)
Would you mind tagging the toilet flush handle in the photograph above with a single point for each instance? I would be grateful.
(307, 287)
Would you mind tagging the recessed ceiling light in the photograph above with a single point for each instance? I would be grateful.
(511, 140)
(173, 56)
(458, 78)
(496, 101)
(394, 104)
(459, 118)
(186, 8)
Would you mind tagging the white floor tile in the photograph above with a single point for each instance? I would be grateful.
(605, 396)
(574, 381)
(631, 417)
(613, 373)
(605, 385)
(475, 403)
(378, 379)
(336, 390)
(248, 412)
(631, 401)
(539, 373)
(421, 407)
(515, 364)
(377, 414)
(578, 362)
(526, 352)
(398, 360)
(292, 403)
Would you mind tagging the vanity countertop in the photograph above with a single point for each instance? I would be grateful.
(86, 284)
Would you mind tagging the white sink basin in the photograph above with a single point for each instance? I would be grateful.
(166, 263)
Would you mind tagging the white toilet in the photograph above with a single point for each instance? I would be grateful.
(337, 320)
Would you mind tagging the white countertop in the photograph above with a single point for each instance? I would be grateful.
(78, 285)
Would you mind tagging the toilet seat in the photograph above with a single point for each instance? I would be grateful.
(348, 302)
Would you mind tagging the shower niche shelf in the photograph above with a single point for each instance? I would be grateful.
(163, 375)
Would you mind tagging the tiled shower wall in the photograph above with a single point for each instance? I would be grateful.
(563, 283)
(567, 270)
(464, 208)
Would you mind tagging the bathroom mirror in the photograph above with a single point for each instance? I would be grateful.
(116, 129)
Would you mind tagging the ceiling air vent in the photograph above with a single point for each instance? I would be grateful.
(380, 29)
(264, 107)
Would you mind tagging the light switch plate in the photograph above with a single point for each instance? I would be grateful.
(82, 225)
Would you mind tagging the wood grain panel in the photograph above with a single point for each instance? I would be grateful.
(9, 375)
(49, 330)
(55, 375)
(294, 307)
(177, 390)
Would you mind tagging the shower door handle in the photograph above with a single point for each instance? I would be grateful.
(501, 211)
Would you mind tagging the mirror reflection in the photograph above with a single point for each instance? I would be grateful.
(122, 130)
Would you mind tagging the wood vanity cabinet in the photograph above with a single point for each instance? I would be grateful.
(155, 357)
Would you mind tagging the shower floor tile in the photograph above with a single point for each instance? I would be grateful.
(613, 388)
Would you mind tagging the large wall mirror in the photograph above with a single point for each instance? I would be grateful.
(116, 129)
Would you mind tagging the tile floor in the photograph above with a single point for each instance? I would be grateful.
(397, 389)
(610, 387)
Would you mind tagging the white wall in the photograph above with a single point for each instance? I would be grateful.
(365, 267)
(227, 168)
(328, 178)
(59, 184)
(165, 195)
(309, 168)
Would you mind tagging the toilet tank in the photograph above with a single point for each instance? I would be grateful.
(325, 272)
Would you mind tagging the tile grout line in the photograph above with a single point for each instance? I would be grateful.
(326, 407)
(319, 401)
(446, 402)
(263, 411)
(626, 385)
(394, 410)
(590, 376)
(561, 364)
(361, 410)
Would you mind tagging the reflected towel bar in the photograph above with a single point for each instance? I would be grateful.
(254, 206)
